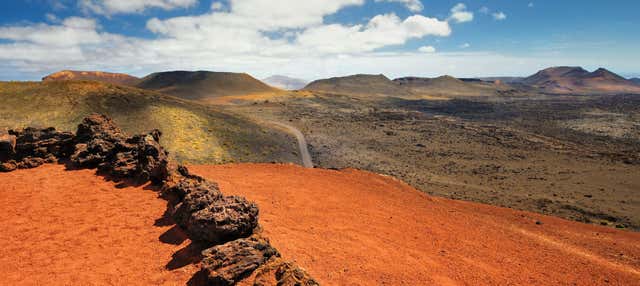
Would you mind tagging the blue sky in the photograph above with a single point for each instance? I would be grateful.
(317, 38)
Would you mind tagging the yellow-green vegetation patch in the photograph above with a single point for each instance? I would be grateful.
(193, 133)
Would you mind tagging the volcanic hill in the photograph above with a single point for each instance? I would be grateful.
(107, 77)
(193, 132)
(285, 82)
(449, 86)
(360, 84)
(576, 80)
(204, 85)
(635, 80)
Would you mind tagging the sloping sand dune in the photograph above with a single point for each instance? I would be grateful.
(345, 227)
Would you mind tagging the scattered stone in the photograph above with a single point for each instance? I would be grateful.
(229, 263)
(278, 272)
(183, 185)
(7, 146)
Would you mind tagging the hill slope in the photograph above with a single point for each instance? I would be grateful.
(576, 80)
(204, 85)
(114, 78)
(400, 236)
(192, 132)
(361, 84)
(451, 86)
(344, 227)
(635, 80)
(285, 82)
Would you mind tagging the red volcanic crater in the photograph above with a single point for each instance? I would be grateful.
(345, 227)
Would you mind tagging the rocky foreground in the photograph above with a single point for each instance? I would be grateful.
(228, 224)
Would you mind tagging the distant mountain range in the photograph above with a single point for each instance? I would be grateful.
(285, 82)
(204, 85)
(576, 80)
(115, 78)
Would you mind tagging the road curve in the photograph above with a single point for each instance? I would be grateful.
(302, 142)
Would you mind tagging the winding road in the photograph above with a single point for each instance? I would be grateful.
(302, 142)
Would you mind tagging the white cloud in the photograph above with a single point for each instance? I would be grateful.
(381, 31)
(412, 5)
(427, 49)
(499, 16)
(530, 5)
(109, 7)
(52, 18)
(217, 6)
(484, 10)
(459, 13)
(248, 36)
(465, 45)
(72, 32)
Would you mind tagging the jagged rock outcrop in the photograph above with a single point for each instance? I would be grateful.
(229, 263)
(282, 273)
(31, 147)
(96, 139)
(100, 143)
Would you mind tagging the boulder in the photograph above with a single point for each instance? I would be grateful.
(220, 220)
(198, 195)
(139, 157)
(8, 166)
(229, 263)
(182, 186)
(7, 147)
(282, 273)
(96, 139)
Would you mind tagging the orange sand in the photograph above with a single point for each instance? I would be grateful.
(345, 227)
(356, 228)
(74, 228)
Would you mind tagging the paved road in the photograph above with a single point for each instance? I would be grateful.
(302, 142)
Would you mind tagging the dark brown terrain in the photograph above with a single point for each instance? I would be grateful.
(574, 157)
(107, 77)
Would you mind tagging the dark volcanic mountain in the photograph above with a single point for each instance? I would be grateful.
(360, 84)
(204, 85)
(107, 77)
(635, 80)
(576, 80)
(285, 82)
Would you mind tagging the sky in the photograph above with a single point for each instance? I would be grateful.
(314, 39)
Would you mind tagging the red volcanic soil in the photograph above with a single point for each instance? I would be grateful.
(356, 228)
(345, 227)
(74, 228)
